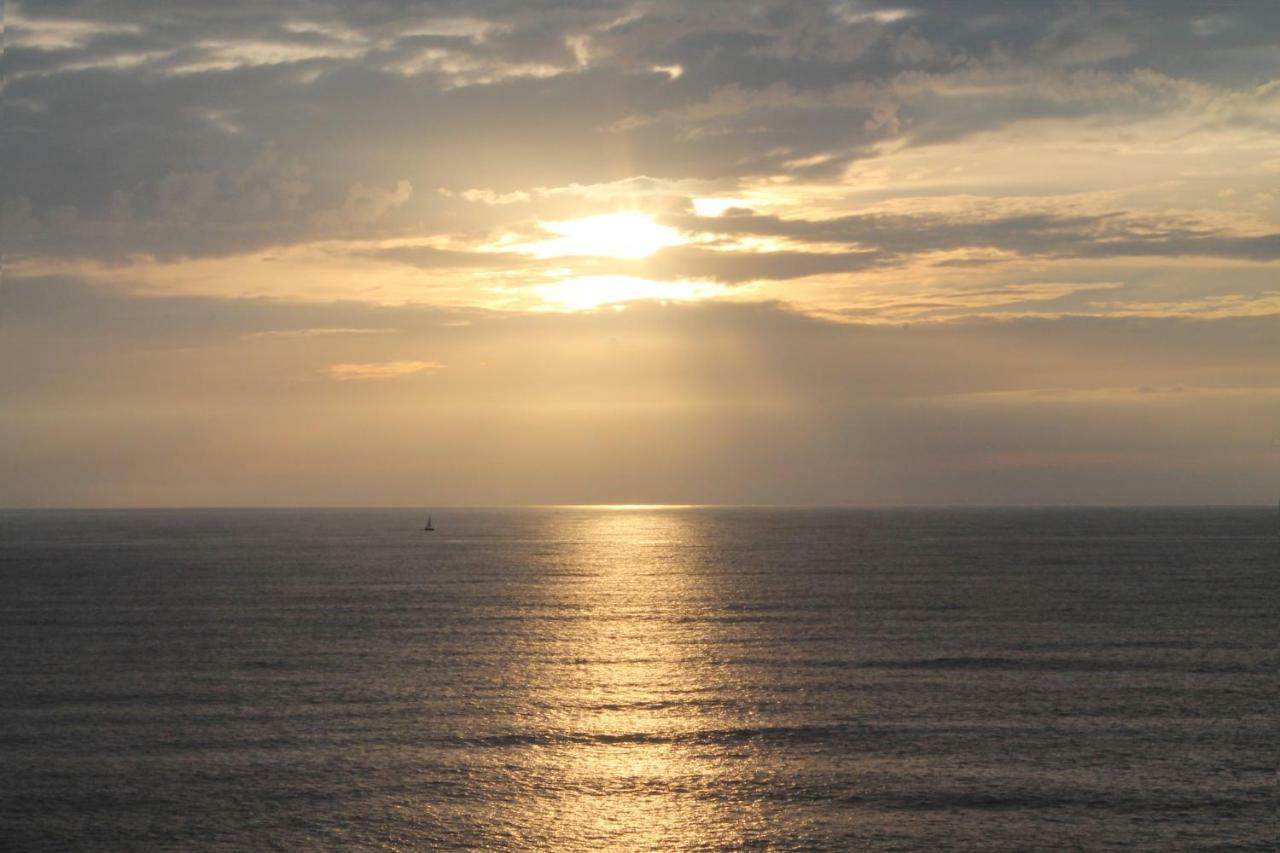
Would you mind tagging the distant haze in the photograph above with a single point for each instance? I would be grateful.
(640, 252)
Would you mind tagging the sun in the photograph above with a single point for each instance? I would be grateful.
(612, 235)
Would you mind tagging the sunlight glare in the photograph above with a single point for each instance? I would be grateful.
(615, 235)
(717, 206)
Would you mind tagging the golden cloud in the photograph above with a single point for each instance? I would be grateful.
(379, 369)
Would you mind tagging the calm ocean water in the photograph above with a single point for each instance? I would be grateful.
(643, 678)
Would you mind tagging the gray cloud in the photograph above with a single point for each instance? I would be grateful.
(426, 257)
(891, 237)
(108, 99)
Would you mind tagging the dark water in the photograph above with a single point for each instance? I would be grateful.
(647, 678)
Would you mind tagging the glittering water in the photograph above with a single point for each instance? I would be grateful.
(640, 678)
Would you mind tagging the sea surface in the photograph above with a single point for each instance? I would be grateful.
(639, 678)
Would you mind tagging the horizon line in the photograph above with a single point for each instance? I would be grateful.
(619, 506)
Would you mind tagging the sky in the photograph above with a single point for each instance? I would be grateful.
(502, 252)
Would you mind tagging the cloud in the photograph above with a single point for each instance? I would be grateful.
(430, 257)
(365, 206)
(1104, 234)
(318, 332)
(379, 369)
(734, 267)
(859, 133)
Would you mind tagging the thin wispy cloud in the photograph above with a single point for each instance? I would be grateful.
(379, 370)
(317, 332)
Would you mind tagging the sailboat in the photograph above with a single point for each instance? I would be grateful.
(428, 527)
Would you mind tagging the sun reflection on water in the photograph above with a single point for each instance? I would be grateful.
(628, 683)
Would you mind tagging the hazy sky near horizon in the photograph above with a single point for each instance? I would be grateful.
(497, 252)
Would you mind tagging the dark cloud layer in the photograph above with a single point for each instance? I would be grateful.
(1100, 235)
(196, 128)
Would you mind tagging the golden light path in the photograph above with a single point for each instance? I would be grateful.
(641, 680)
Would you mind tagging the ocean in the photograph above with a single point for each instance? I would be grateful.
(639, 678)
